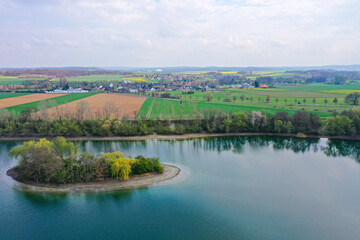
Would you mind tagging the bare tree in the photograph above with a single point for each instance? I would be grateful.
(109, 110)
(4, 114)
(43, 108)
(68, 112)
(83, 110)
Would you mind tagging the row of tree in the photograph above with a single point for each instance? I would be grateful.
(211, 121)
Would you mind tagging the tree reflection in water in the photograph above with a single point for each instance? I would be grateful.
(341, 148)
(236, 144)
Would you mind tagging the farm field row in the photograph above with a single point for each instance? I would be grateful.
(256, 96)
(26, 99)
(173, 109)
(91, 105)
(55, 100)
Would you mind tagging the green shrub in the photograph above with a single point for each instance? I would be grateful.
(146, 165)
(300, 135)
(227, 99)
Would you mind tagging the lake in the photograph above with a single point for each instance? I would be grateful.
(236, 188)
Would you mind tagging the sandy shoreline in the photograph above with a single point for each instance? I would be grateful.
(174, 137)
(170, 172)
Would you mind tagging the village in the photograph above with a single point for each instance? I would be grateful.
(159, 82)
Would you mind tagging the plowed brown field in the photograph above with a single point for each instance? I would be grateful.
(99, 106)
(8, 102)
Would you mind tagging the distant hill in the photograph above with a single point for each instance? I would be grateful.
(53, 68)
(224, 69)
(355, 67)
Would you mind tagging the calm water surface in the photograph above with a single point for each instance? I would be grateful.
(237, 188)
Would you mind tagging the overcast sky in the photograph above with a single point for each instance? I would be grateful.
(39, 33)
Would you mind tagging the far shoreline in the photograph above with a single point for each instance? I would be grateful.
(138, 181)
(179, 137)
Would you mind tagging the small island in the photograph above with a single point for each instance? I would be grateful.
(57, 166)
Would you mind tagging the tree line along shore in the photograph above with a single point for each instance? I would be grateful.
(346, 123)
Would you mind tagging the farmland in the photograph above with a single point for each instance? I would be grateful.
(16, 81)
(96, 78)
(25, 99)
(52, 101)
(100, 106)
(318, 98)
(4, 95)
(323, 95)
(68, 105)
(172, 109)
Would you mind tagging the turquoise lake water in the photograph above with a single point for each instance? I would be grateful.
(236, 188)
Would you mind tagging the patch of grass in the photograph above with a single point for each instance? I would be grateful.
(4, 95)
(342, 91)
(17, 81)
(97, 78)
(170, 109)
(57, 100)
(146, 108)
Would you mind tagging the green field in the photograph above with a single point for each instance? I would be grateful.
(96, 78)
(4, 95)
(289, 99)
(279, 95)
(170, 109)
(275, 74)
(17, 81)
(56, 100)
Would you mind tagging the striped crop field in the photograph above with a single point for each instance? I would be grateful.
(50, 102)
(26, 99)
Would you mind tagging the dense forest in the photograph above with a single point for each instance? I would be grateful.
(346, 123)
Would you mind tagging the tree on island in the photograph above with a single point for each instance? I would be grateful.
(335, 100)
(58, 162)
(353, 98)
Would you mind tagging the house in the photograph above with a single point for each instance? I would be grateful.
(70, 90)
(263, 86)
(132, 90)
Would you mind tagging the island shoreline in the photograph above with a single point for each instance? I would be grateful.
(170, 172)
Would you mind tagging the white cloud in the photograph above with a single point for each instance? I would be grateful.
(185, 32)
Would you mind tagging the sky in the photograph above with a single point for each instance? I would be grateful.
(163, 33)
